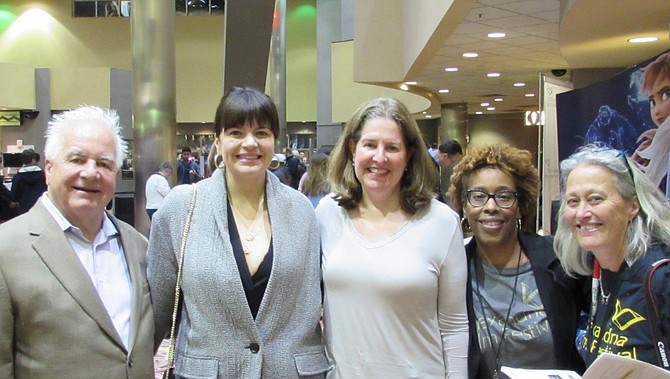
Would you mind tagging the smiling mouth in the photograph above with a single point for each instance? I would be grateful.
(249, 156)
(588, 227)
(88, 190)
(376, 170)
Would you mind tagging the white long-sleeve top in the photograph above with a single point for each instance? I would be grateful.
(395, 308)
(156, 189)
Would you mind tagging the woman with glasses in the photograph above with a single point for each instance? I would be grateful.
(614, 225)
(393, 261)
(523, 308)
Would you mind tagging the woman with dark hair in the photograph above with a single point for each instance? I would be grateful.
(522, 306)
(614, 225)
(393, 261)
(250, 289)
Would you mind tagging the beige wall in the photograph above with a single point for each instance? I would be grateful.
(45, 35)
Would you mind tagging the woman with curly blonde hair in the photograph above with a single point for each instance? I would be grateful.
(523, 308)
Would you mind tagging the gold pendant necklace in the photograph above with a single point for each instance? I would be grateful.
(255, 228)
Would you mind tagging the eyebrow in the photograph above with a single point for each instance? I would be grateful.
(660, 91)
(79, 153)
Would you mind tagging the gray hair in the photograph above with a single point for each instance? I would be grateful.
(165, 166)
(65, 121)
(651, 225)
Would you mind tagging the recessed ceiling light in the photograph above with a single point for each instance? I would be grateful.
(470, 55)
(643, 39)
(498, 99)
(429, 116)
(491, 108)
(530, 95)
(411, 83)
(404, 87)
(451, 69)
(479, 112)
(493, 74)
(496, 35)
(484, 104)
(424, 112)
(519, 84)
(443, 91)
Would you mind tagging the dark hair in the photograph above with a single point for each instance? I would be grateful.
(516, 162)
(451, 147)
(185, 149)
(242, 105)
(27, 156)
(418, 181)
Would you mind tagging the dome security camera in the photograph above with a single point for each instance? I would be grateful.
(559, 72)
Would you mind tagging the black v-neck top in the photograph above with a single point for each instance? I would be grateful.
(254, 286)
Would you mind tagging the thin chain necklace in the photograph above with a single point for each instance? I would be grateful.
(255, 227)
(605, 298)
(496, 370)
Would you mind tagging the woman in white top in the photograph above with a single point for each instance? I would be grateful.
(394, 267)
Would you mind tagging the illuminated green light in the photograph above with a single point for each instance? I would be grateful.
(7, 17)
(304, 11)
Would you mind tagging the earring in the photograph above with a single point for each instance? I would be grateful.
(465, 225)
(518, 224)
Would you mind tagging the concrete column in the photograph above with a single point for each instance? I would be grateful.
(154, 93)
(453, 125)
(249, 28)
(334, 22)
(277, 70)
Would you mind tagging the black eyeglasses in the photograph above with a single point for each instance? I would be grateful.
(479, 198)
(630, 170)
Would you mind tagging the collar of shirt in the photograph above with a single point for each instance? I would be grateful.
(107, 231)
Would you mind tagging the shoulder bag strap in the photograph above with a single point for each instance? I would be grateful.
(660, 343)
(177, 290)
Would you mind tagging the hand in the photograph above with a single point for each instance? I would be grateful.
(645, 139)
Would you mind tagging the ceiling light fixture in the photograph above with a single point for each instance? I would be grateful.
(493, 74)
(479, 112)
(451, 69)
(470, 55)
(484, 104)
(530, 95)
(498, 99)
(519, 84)
(642, 39)
(404, 87)
(496, 35)
(491, 108)
(429, 116)
(443, 91)
(410, 83)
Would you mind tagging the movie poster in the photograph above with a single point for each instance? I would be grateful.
(628, 112)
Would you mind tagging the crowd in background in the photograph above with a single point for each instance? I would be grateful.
(413, 260)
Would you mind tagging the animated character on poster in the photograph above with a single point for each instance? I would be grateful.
(654, 149)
